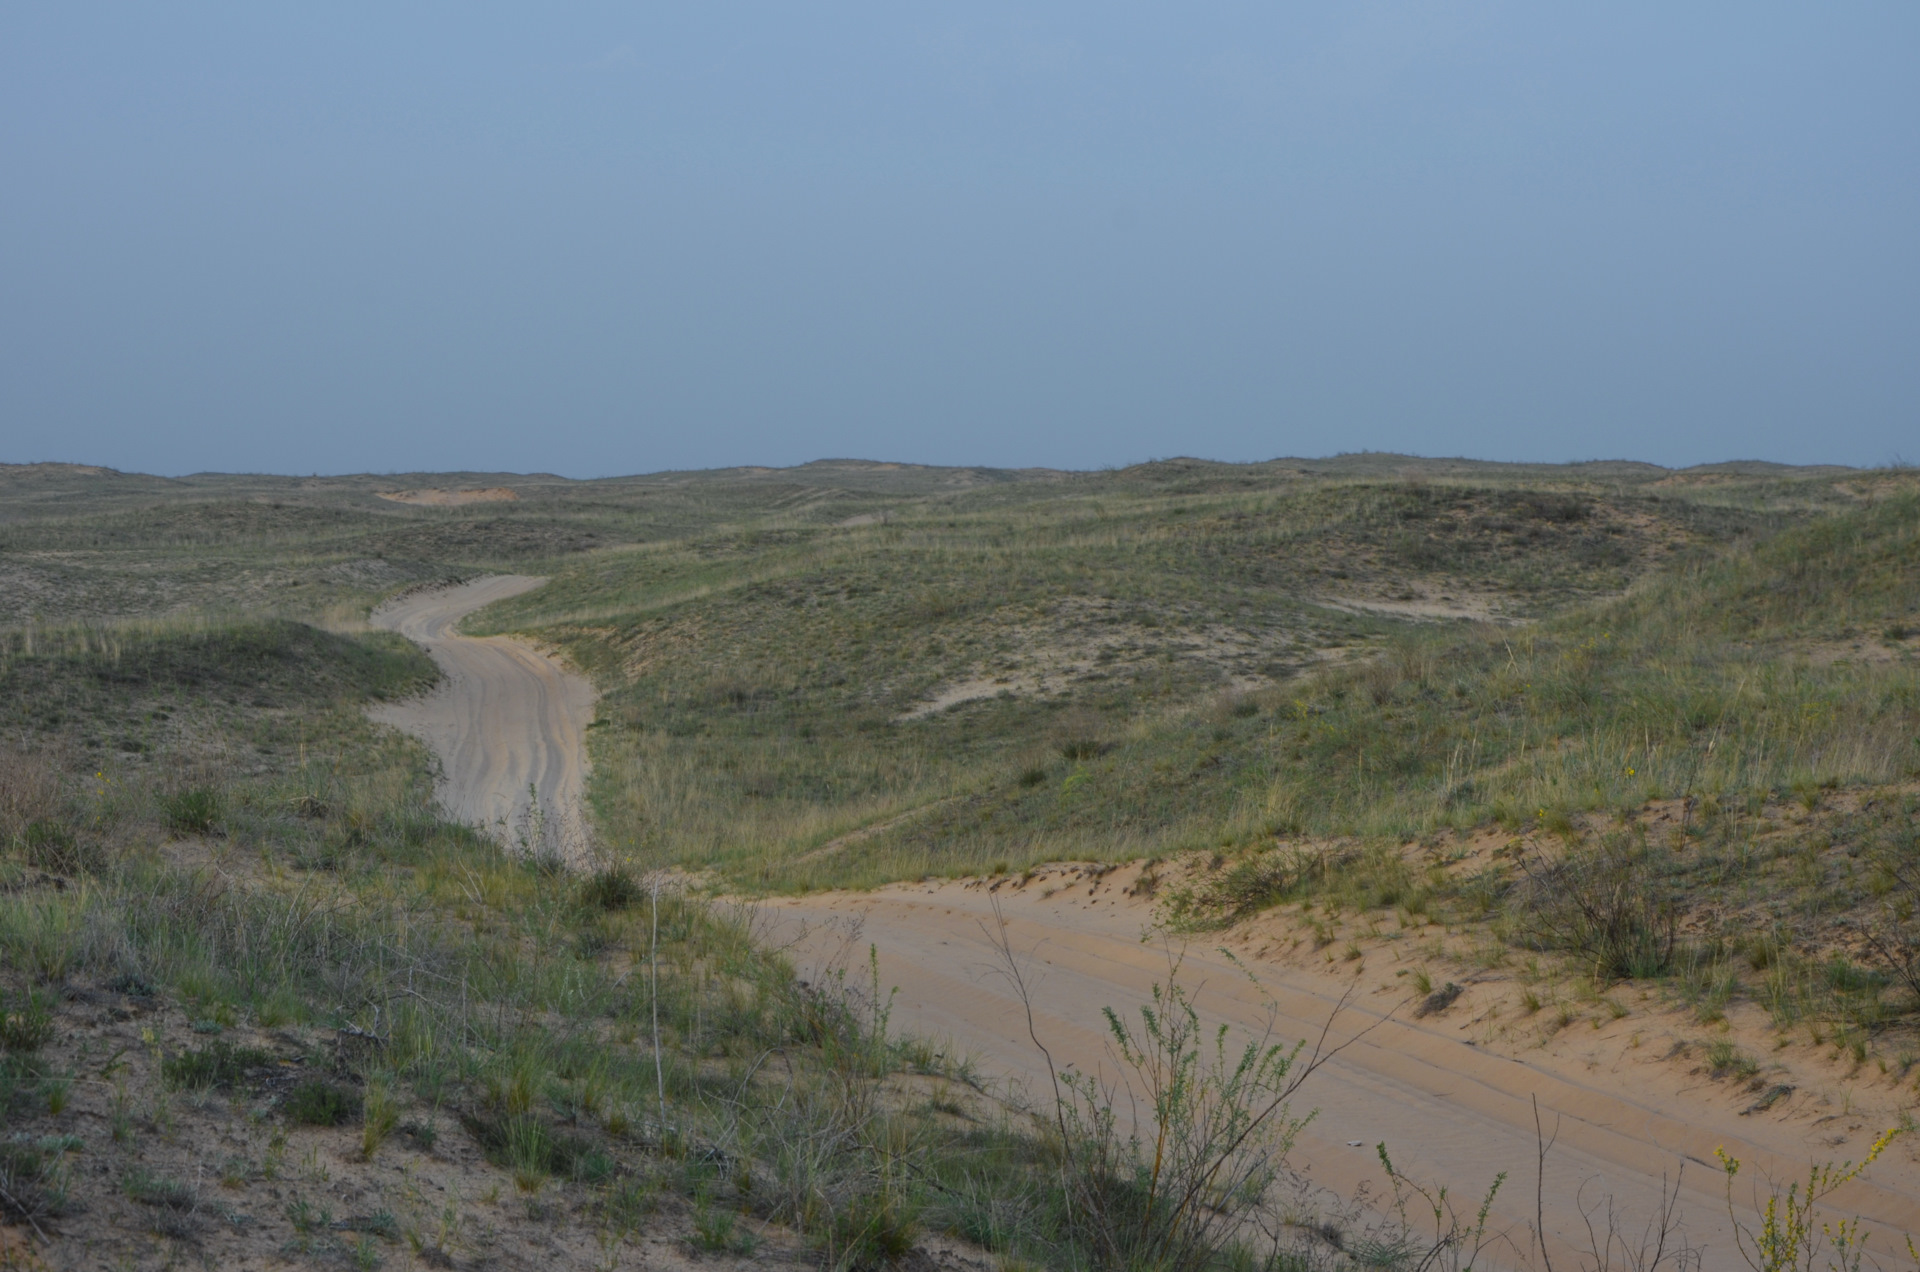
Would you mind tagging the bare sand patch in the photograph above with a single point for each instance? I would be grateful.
(1451, 1093)
(435, 498)
(1081, 640)
(1481, 609)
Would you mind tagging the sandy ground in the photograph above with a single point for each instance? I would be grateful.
(507, 723)
(449, 498)
(1450, 1095)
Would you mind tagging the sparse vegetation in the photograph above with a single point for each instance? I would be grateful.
(247, 891)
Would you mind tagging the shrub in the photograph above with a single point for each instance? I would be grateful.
(870, 1230)
(191, 812)
(531, 1149)
(1223, 1131)
(317, 1102)
(614, 888)
(1604, 904)
(150, 1189)
(33, 1181)
(26, 1021)
(51, 845)
(221, 1064)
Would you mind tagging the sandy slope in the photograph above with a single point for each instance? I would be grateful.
(1453, 1100)
(507, 722)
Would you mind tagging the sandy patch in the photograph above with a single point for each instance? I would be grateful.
(1480, 609)
(1080, 641)
(1451, 1092)
(449, 498)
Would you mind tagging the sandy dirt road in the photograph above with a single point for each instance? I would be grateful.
(1450, 1106)
(507, 722)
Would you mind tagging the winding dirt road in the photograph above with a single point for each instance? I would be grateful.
(1451, 1095)
(507, 722)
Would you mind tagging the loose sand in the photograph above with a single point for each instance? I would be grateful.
(1453, 1105)
(507, 723)
(435, 498)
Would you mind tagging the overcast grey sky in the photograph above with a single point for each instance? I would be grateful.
(594, 239)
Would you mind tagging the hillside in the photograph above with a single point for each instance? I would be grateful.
(262, 1003)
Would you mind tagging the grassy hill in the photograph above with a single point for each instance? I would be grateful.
(260, 1003)
(1089, 672)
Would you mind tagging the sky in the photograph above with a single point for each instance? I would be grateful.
(597, 239)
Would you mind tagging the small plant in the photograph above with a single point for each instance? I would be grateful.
(217, 1065)
(33, 1180)
(627, 1201)
(614, 888)
(51, 845)
(317, 1102)
(871, 1230)
(26, 1021)
(162, 1191)
(1724, 1059)
(195, 811)
(423, 1134)
(717, 1230)
(380, 1113)
(1795, 1235)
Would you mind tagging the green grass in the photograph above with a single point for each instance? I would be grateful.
(767, 689)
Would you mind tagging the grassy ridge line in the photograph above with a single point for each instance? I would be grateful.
(75, 543)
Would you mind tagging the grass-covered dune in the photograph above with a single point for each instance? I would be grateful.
(259, 1002)
(1783, 665)
(1086, 675)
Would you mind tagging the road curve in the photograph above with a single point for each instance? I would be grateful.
(1451, 1107)
(507, 722)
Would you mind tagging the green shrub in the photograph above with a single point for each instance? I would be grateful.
(26, 1021)
(317, 1102)
(871, 1230)
(151, 1189)
(615, 888)
(33, 1180)
(531, 1149)
(221, 1064)
(192, 812)
(1605, 904)
(51, 845)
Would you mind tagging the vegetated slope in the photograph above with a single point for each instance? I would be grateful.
(1784, 665)
(78, 542)
(1081, 675)
(233, 693)
(257, 1002)
(1710, 787)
